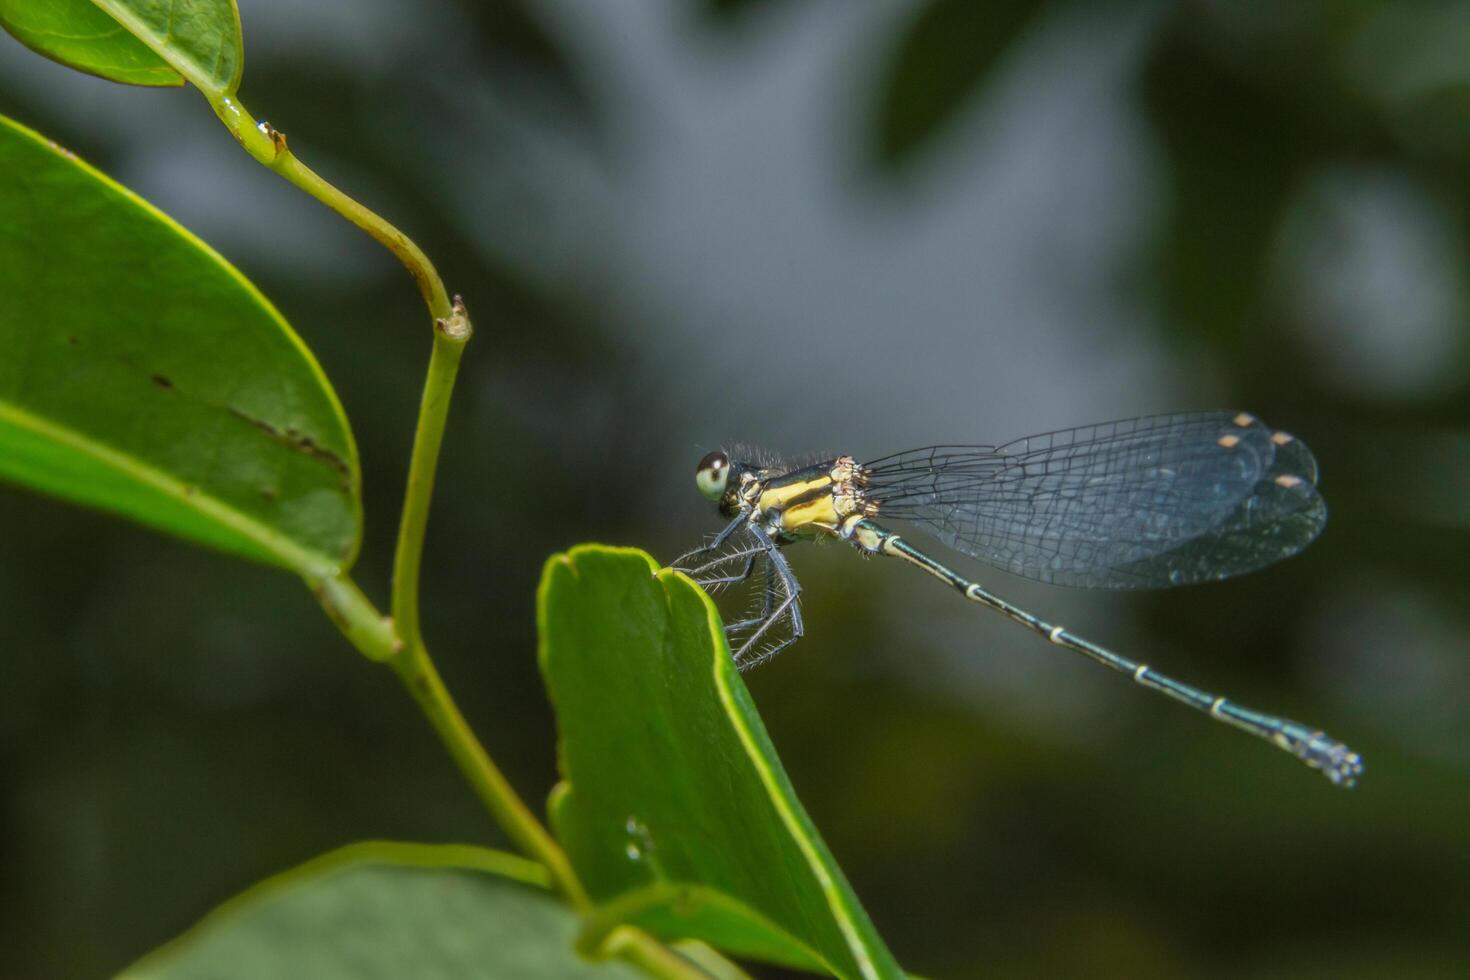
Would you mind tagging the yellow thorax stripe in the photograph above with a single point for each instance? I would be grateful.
(779, 497)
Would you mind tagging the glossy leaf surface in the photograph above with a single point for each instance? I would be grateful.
(675, 809)
(142, 374)
(78, 34)
(387, 911)
(139, 42)
(199, 38)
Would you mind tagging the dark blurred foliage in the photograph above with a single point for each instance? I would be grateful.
(943, 57)
(174, 726)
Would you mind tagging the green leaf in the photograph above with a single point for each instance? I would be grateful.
(144, 375)
(391, 911)
(199, 38)
(77, 34)
(943, 58)
(675, 810)
(141, 42)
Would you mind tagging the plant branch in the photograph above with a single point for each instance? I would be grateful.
(450, 335)
(653, 957)
(417, 672)
(398, 641)
(373, 634)
(605, 928)
(268, 145)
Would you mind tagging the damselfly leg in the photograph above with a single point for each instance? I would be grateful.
(780, 601)
(730, 558)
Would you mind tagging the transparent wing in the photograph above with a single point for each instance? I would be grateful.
(1136, 504)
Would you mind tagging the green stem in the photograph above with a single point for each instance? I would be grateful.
(450, 335)
(373, 635)
(268, 145)
(410, 658)
(398, 641)
(605, 928)
(417, 672)
(356, 616)
(600, 923)
(653, 957)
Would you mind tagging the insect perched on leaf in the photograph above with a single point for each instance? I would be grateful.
(1143, 503)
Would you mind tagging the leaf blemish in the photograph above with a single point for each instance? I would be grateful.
(163, 381)
(302, 443)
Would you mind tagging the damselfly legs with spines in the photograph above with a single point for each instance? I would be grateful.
(1137, 504)
(731, 557)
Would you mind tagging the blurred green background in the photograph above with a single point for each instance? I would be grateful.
(813, 226)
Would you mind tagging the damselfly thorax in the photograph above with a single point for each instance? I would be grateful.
(824, 498)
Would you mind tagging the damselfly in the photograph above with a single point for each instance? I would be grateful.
(1139, 504)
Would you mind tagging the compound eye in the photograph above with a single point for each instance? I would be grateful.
(712, 475)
